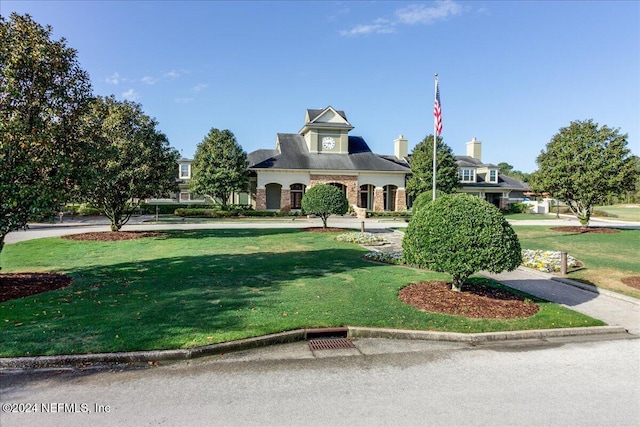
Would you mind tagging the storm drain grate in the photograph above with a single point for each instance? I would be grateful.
(330, 344)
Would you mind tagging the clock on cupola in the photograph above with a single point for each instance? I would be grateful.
(328, 143)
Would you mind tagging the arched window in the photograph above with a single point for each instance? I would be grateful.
(390, 197)
(366, 196)
(297, 191)
(273, 192)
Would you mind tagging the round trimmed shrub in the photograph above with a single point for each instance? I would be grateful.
(461, 234)
(324, 200)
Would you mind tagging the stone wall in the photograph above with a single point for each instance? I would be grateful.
(349, 181)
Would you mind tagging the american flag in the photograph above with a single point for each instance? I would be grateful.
(437, 111)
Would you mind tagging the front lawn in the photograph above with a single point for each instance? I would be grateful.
(607, 257)
(191, 288)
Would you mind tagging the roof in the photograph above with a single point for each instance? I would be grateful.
(294, 154)
(503, 182)
(468, 161)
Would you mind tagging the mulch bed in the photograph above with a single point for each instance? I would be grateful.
(475, 301)
(633, 281)
(18, 285)
(577, 229)
(325, 230)
(112, 236)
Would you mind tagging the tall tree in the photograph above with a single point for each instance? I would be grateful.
(43, 92)
(582, 165)
(219, 167)
(131, 159)
(421, 181)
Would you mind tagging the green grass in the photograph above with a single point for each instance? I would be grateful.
(527, 216)
(622, 212)
(607, 257)
(193, 288)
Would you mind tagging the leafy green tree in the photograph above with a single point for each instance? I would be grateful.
(584, 164)
(421, 180)
(43, 91)
(131, 159)
(219, 167)
(461, 234)
(324, 200)
(504, 168)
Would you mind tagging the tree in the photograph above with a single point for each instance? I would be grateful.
(582, 165)
(421, 181)
(219, 167)
(324, 200)
(506, 169)
(43, 92)
(131, 159)
(461, 234)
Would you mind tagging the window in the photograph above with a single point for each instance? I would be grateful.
(467, 175)
(184, 196)
(185, 171)
(297, 191)
(493, 175)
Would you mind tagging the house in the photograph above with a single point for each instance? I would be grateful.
(324, 151)
(485, 181)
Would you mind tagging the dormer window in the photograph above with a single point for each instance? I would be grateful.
(467, 175)
(493, 175)
(185, 171)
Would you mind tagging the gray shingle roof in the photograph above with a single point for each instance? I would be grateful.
(294, 154)
(468, 161)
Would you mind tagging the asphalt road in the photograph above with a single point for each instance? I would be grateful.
(576, 383)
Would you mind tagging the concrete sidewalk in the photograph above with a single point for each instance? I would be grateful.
(614, 309)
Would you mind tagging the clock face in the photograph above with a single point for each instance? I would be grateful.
(328, 142)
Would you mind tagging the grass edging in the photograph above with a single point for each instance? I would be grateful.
(80, 360)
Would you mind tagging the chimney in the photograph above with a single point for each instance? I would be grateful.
(474, 149)
(401, 147)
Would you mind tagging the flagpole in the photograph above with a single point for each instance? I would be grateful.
(435, 132)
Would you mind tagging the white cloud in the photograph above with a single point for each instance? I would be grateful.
(183, 100)
(173, 74)
(415, 14)
(130, 95)
(200, 86)
(379, 26)
(149, 80)
(423, 14)
(114, 79)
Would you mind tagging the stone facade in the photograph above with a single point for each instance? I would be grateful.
(261, 199)
(349, 181)
(378, 199)
(401, 199)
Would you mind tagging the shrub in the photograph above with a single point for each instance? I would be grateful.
(421, 201)
(324, 200)
(461, 234)
(88, 210)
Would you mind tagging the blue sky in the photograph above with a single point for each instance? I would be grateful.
(511, 73)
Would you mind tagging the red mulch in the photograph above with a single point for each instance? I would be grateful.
(577, 229)
(633, 281)
(475, 301)
(325, 230)
(18, 285)
(112, 236)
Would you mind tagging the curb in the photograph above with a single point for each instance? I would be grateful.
(84, 360)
